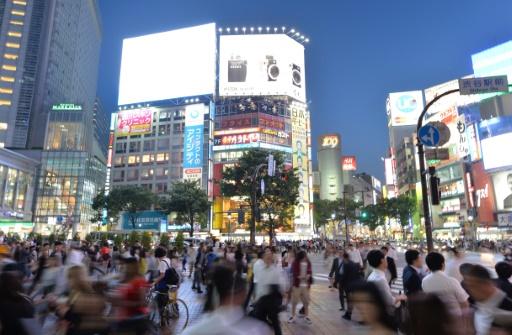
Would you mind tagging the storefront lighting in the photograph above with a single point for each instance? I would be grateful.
(228, 29)
(260, 29)
(244, 29)
(236, 29)
(252, 29)
(220, 30)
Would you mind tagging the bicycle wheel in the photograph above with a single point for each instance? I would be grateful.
(177, 315)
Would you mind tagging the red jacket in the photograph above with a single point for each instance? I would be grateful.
(296, 273)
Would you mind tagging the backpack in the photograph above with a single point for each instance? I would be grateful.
(171, 277)
(210, 258)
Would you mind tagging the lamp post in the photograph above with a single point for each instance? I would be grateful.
(333, 216)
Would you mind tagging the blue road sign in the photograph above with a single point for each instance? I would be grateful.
(60, 218)
(429, 135)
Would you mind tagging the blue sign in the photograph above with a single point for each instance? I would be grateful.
(193, 147)
(429, 135)
(144, 220)
(60, 218)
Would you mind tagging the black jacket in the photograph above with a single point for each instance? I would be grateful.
(351, 275)
(505, 286)
(411, 280)
(392, 268)
(335, 270)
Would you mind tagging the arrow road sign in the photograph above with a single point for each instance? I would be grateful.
(429, 135)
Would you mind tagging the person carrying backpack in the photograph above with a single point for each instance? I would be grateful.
(167, 275)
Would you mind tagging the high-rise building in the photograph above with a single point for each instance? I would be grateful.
(101, 122)
(50, 53)
(329, 166)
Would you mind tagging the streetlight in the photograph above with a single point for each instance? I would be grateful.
(229, 227)
(333, 216)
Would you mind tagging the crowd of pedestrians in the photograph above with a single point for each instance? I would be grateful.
(94, 288)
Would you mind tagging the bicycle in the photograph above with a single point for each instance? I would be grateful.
(174, 313)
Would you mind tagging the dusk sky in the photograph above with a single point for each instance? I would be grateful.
(360, 50)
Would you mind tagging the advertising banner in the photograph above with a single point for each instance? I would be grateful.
(193, 142)
(173, 64)
(483, 194)
(265, 64)
(502, 182)
(329, 141)
(349, 163)
(144, 220)
(134, 122)
(404, 108)
(300, 161)
(236, 139)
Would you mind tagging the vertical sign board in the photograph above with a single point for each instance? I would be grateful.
(193, 142)
(300, 119)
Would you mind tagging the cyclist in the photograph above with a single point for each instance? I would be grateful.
(167, 275)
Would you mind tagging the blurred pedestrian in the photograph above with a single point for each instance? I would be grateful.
(504, 272)
(14, 305)
(335, 275)
(350, 277)
(454, 263)
(428, 315)
(411, 275)
(302, 278)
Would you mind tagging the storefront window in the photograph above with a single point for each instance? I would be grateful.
(10, 188)
(3, 176)
(23, 183)
(65, 136)
(135, 146)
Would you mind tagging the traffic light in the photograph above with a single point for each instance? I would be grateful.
(435, 192)
(364, 215)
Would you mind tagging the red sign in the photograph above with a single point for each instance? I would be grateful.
(484, 200)
(270, 122)
(237, 139)
(349, 163)
(134, 122)
(240, 121)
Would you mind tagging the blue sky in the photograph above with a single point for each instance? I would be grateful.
(360, 50)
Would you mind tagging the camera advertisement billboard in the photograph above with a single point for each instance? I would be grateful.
(267, 64)
(502, 182)
(300, 161)
(404, 108)
(134, 122)
(172, 64)
(193, 141)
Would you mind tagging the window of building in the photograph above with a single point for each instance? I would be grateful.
(133, 159)
(118, 175)
(163, 144)
(11, 56)
(17, 12)
(4, 102)
(120, 148)
(9, 67)
(162, 157)
(148, 187)
(147, 159)
(14, 33)
(10, 188)
(178, 127)
(165, 116)
(16, 22)
(12, 45)
(161, 187)
(149, 145)
(135, 146)
(7, 79)
(177, 157)
(164, 129)
(161, 173)
(3, 126)
(19, 2)
(119, 160)
(133, 174)
(5, 90)
(176, 172)
(146, 174)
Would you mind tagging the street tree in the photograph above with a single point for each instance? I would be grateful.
(323, 209)
(130, 199)
(187, 200)
(371, 216)
(280, 194)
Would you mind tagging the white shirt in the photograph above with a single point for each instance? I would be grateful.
(256, 269)
(447, 288)
(164, 264)
(452, 268)
(269, 275)
(485, 312)
(227, 320)
(355, 256)
(378, 277)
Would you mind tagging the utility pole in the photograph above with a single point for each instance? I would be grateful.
(254, 204)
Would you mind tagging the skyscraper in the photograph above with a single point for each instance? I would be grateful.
(50, 54)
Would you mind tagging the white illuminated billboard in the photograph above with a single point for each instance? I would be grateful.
(404, 108)
(267, 64)
(172, 64)
(496, 151)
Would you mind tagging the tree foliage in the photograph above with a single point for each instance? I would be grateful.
(400, 209)
(276, 204)
(130, 199)
(187, 200)
(323, 210)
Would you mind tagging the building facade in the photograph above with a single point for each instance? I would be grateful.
(329, 166)
(50, 54)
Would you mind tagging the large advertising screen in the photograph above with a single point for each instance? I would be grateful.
(496, 151)
(193, 141)
(267, 64)
(404, 108)
(172, 64)
(134, 122)
(502, 182)
(484, 194)
(300, 161)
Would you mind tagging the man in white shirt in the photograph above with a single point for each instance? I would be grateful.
(447, 288)
(377, 260)
(355, 255)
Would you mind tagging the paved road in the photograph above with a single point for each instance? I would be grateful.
(324, 309)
